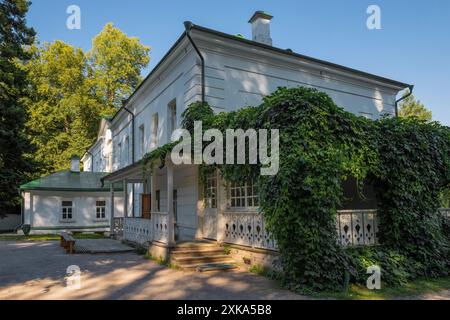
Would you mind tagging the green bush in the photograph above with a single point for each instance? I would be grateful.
(26, 228)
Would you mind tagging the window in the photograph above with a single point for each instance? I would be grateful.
(154, 137)
(211, 191)
(100, 207)
(141, 140)
(66, 210)
(158, 201)
(175, 204)
(127, 150)
(243, 195)
(119, 154)
(172, 117)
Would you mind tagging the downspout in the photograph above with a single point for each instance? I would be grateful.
(188, 25)
(132, 157)
(411, 88)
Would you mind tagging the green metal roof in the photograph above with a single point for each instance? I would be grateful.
(67, 180)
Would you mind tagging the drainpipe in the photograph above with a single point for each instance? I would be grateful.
(188, 25)
(132, 154)
(411, 88)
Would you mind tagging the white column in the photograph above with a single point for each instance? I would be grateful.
(171, 219)
(111, 189)
(125, 199)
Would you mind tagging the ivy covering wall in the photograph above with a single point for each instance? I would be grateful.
(321, 145)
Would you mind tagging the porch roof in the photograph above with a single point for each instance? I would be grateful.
(131, 172)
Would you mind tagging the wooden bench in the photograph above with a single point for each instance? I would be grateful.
(67, 242)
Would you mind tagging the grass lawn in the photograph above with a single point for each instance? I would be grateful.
(413, 288)
(48, 237)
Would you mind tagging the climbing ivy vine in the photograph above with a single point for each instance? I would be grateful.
(322, 145)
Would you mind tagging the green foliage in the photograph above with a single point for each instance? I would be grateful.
(412, 108)
(16, 165)
(117, 61)
(72, 90)
(157, 156)
(321, 145)
(26, 228)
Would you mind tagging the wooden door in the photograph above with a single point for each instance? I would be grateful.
(146, 205)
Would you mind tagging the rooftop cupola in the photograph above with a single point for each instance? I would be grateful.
(260, 22)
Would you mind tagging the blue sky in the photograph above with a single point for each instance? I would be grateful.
(413, 45)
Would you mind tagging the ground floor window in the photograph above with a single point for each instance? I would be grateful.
(243, 195)
(100, 207)
(211, 191)
(67, 210)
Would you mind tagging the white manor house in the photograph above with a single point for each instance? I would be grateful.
(168, 205)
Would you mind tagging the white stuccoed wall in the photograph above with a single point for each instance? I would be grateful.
(43, 208)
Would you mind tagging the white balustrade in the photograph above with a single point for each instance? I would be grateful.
(138, 230)
(160, 226)
(357, 227)
(445, 212)
(247, 229)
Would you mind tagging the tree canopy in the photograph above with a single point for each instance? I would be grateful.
(412, 108)
(16, 164)
(72, 89)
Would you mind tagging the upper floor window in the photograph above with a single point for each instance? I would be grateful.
(243, 195)
(154, 137)
(127, 150)
(119, 153)
(211, 191)
(66, 210)
(100, 208)
(171, 117)
(141, 140)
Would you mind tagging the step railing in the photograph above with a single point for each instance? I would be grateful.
(160, 222)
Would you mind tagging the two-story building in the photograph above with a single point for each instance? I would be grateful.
(167, 204)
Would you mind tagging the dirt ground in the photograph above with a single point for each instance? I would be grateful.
(37, 270)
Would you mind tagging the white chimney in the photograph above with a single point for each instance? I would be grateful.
(261, 27)
(75, 164)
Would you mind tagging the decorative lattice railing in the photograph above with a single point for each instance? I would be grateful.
(357, 227)
(138, 230)
(160, 226)
(445, 212)
(118, 225)
(247, 228)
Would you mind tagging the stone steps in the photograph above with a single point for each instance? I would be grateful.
(201, 256)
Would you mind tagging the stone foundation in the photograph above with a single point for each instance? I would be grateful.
(247, 257)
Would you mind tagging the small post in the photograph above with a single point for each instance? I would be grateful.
(111, 188)
(171, 218)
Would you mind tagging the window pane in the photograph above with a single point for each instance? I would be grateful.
(67, 203)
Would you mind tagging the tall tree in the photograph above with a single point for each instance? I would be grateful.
(72, 90)
(117, 61)
(412, 108)
(63, 112)
(15, 162)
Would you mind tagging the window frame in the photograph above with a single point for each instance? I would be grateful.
(211, 190)
(97, 206)
(241, 193)
(64, 210)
